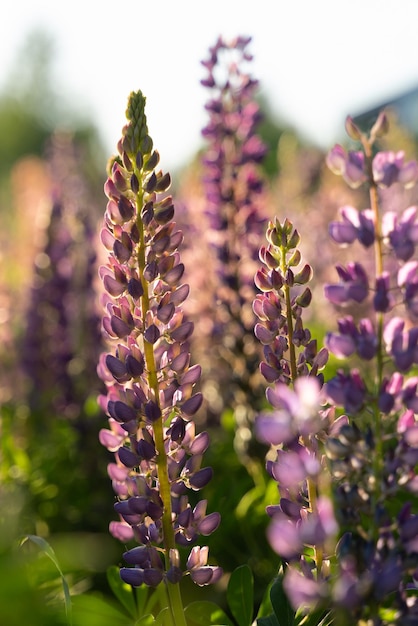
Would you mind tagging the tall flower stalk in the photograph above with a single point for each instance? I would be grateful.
(60, 374)
(373, 456)
(303, 518)
(234, 187)
(345, 525)
(151, 394)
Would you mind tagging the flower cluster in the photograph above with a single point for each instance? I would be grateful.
(64, 274)
(372, 452)
(233, 188)
(284, 295)
(150, 381)
(385, 168)
(345, 524)
(296, 428)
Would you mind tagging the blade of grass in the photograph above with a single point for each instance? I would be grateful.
(49, 552)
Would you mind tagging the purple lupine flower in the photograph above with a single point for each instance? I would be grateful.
(304, 591)
(390, 391)
(298, 424)
(201, 573)
(353, 285)
(353, 225)
(296, 412)
(401, 344)
(62, 312)
(233, 186)
(401, 232)
(351, 339)
(377, 565)
(408, 281)
(389, 168)
(350, 165)
(150, 381)
(279, 286)
(383, 299)
(346, 390)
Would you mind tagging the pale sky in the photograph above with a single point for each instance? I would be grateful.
(316, 61)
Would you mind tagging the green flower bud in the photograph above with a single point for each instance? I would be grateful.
(352, 129)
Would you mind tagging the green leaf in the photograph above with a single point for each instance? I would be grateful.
(122, 591)
(49, 552)
(93, 610)
(264, 615)
(203, 613)
(281, 605)
(240, 595)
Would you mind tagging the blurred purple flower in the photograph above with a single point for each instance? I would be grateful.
(350, 165)
(383, 299)
(304, 592)
(353, 225)
(353, 285)
(389, 168)
(296, 412)
(401, 344)
(401, 232)
(346, 390)
(350, 339)
(408, 281)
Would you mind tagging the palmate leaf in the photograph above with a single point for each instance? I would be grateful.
(240, 595)
(204, 613)
(49, 552)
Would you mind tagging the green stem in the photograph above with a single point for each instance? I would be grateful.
(378, 252)
(174, 595)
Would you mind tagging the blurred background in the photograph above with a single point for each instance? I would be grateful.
(316, 61)
(66, 71)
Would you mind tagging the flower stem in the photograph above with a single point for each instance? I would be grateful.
(174, 595)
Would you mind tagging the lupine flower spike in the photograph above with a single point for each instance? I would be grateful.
(234, 190)
(373, 454)
(151, 395)
(304, 517)
(345, 527)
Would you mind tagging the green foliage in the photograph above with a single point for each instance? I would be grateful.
(283, 614)
(281, 605)
(270, 132)
(122, 591)
(276, 600)
(94, 610)
(240, 493)
(240, 595)
(204, 613)
(21, 133)
(49, 552)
